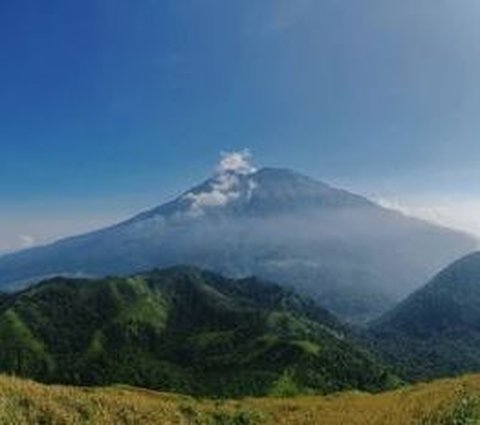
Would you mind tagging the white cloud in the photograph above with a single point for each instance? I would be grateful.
(461, 214)
(236, 162)
(27, 241)
(226, 185)
(20, 231)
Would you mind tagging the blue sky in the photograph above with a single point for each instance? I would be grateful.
(111, 106)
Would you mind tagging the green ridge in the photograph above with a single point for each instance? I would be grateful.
(182, 330)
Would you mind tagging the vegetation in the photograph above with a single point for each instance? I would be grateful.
(436, 331)
(447, 402)
(181, 330)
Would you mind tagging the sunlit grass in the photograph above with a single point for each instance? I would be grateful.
(445, 402)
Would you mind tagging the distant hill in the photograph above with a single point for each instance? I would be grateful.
(446, 402)
(182, 330)
(436, 331)
(353, 256)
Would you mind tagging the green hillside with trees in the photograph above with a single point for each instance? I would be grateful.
(182, 330)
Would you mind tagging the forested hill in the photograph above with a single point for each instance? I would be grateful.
(182, 330)
(436, 331)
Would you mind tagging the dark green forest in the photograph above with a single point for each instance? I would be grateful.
(182, 330)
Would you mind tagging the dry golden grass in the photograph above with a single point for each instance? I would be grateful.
(444, 402)
(436, 403)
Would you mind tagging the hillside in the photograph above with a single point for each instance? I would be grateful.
(273, 223)
(182, 330)
(436, 331)
(446, 402)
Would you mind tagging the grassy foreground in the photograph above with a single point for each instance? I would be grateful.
(444, 402)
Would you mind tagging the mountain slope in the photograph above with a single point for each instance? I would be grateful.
(181, 330)
(272, 223)
(436, 331)
(452, 401)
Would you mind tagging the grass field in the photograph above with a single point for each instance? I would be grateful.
(444, 402)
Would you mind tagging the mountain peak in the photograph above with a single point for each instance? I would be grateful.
(240, 188)
(287, 176)
(243, 189)
(271, 222)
